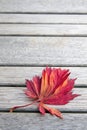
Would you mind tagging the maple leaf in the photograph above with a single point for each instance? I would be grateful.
(54, 88)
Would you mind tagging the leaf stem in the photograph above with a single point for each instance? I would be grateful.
(13, 108)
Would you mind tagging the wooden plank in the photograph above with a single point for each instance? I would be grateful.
(43, 18)
(12, 96)
(43, 51)
(17, 75)
(66, 6)
(43, 29)
(35, 121)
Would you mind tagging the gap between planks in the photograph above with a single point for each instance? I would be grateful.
(7, 110)
(43, 36)
(44, 13)
(42, 65)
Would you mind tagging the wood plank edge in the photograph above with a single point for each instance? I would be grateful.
(7, 110)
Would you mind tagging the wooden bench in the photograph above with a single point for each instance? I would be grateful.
(35, 34)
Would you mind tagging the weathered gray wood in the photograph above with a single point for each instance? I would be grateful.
(44, 6)
(43, 50)
(17, 75)
(65, 51)
(35, 121)
(12, 96)
(43, 18)
(43, 29)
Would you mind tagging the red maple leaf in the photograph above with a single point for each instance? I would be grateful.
(54, 87)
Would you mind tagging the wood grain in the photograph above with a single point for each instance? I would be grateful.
(17, 75)
(13, 96)
(52, 6)
(40, 33)
(43, 29)
(35, 121)
(43, 18)
(43, 51)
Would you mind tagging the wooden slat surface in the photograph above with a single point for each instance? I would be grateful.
(43, 29)
(11, 96)
(56, 6)
(35, 121)
(17, 75)
(42, 33)
(43, 18)
(43, 50)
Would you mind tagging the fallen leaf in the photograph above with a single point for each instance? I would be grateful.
(54, 88)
